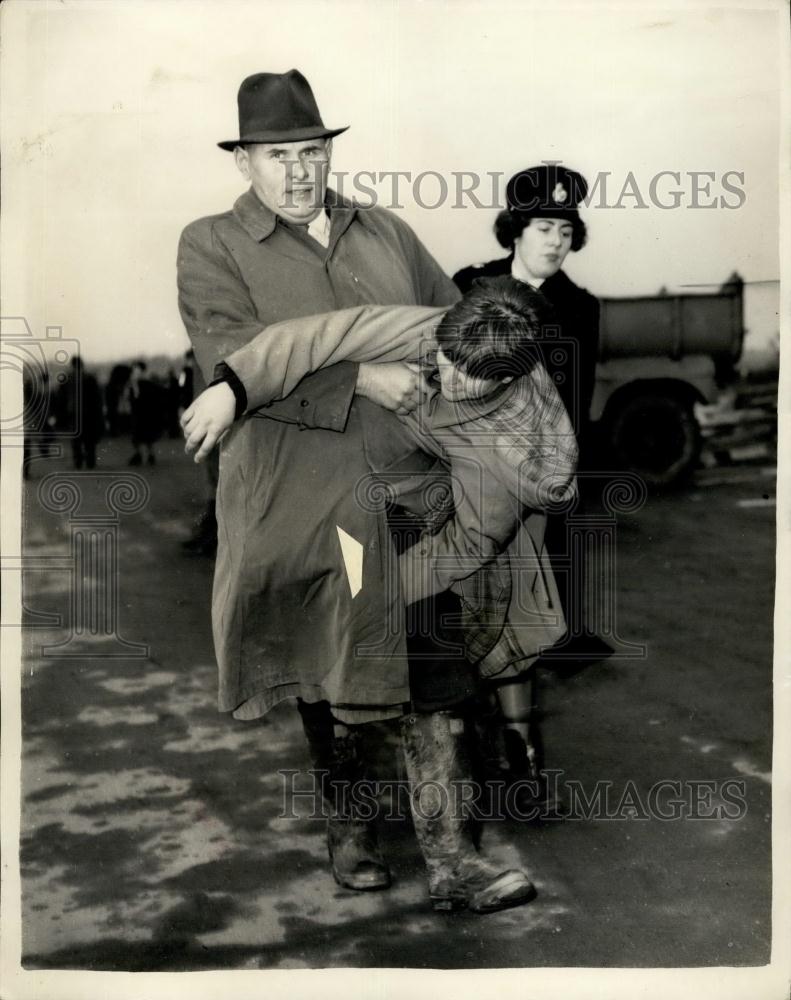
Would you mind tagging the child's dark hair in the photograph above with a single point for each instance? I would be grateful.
(490, 333)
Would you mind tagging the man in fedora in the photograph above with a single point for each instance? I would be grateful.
(306, 599)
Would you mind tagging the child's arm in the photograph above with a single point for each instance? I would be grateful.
(535, 451)
(485, 520)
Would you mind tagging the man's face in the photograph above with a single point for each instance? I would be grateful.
(290, 178)
(543, 246)
(457, 384)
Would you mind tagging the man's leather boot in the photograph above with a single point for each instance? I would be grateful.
(438, 768)
(351, 840)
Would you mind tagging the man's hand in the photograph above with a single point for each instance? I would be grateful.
(397, 386)
(208, 418)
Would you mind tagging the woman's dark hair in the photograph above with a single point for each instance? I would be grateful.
(508, 228)
(490, 333)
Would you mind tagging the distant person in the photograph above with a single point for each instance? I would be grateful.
(116, 402)
(172, 404)
(146, 412)
(81, 411)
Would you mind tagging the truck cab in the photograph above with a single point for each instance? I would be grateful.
(658, 357)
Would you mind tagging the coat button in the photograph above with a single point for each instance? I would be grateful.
(304, 402)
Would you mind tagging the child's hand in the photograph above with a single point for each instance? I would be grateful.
(208, 418)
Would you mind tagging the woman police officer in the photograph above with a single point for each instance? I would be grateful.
(539, 228)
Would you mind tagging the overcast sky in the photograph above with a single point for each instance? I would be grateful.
(112, 111)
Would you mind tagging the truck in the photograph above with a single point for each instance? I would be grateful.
(660, 356)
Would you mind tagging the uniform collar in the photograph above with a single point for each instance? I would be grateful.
(558, 280)
(518, 273)
(260, 222)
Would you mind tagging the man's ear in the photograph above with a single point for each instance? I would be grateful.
(242, 161)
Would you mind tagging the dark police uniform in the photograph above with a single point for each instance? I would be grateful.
(573, 365)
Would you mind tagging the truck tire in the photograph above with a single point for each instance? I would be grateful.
(655, 435)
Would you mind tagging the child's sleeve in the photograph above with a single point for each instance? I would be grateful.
(525, 462)
(536, 452)
(485, 520)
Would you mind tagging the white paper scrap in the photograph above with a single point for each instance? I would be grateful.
(352, 559)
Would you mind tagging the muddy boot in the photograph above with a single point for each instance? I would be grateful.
(439, 771)
(351, 840)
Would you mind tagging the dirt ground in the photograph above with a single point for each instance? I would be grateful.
(151, 829)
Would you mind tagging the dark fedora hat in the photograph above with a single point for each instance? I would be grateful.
(278, 107)
(548, 190)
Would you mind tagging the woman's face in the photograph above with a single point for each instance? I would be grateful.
(543, 246)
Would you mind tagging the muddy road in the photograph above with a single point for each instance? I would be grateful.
(153, 834)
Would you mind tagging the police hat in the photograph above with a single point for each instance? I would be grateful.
(549, 190)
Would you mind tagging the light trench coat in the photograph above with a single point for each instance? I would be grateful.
(285, 619)
(308, 593)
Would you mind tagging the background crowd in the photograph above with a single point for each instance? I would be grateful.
(126, 400)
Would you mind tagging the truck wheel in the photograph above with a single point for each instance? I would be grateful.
(655, 435)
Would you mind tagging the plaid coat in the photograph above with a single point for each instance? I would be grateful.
(511, 456)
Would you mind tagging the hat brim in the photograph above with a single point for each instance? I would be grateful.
(546, 212)
(291, 135)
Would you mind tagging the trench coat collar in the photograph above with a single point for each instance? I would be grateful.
(260, 222)
(444, 413)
